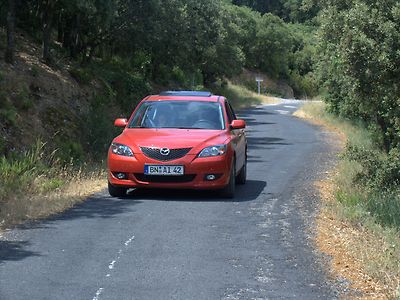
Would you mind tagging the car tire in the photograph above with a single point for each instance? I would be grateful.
(229, 190)
(116, 191)
(241, 178)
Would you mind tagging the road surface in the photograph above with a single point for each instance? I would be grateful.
(188, 245)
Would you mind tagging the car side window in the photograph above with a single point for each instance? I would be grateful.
(229, 111)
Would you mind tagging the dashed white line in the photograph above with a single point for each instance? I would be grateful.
(282, 112)
(130, 240)
(112, 265)
(289, 106)
(98, 293)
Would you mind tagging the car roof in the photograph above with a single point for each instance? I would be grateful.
(185, 96)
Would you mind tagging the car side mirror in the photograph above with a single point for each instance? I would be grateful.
(121, 122)
(238, 124)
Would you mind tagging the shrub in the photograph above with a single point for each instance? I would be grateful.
(379, 176)
(81, 75)
(23, 99)
(70, 152)
(9, 114)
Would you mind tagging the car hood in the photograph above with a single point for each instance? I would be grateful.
(171, 138)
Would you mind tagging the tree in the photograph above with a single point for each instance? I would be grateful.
(48, 7)
(10, 50)
(359, 63)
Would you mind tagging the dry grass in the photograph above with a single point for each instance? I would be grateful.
(357, 254)
(240, 97)
(365, 253)
(41, 204)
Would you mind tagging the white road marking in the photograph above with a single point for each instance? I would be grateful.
(112, 265)
(98, 293)
(130, 240)
(282, 112)
(289, 106)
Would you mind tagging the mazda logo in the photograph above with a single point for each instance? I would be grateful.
(164, 151)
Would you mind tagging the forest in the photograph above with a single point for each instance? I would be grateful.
(173, 41)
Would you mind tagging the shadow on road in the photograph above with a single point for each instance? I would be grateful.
(14, 250)
(98, 206)
(247, 192)
(255, 159)
(101, 206)
(254, 122)
(254, 111)
(264, 142)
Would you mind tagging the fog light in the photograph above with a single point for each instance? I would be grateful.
(210, 177)
(120, 175)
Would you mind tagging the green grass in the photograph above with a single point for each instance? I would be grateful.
(35, 185)
(18, 174)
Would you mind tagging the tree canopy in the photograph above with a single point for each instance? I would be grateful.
(211, 39)
(360, 42)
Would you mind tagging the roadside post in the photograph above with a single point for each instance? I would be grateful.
(259, 80)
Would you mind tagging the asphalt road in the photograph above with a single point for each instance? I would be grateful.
(188, 245)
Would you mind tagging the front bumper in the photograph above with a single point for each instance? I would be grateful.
(196, 170)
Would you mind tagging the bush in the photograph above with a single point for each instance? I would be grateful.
(23, 99)
(70, 152)
(379, 176)
(379, 171)
(126, 86)
(34, 71)
(9, 114)
(81, 75)
(18, 173)
(99, 127)
(359, 42)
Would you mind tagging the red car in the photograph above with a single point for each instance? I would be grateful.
(179, 140)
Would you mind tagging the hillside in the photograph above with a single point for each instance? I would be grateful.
(40, 102)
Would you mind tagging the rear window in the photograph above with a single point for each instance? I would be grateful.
(179, 114)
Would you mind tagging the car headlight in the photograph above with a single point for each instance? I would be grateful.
(213, 151)
(120, 149)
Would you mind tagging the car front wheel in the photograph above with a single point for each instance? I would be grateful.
(116, 191)
(229, 190)
(241, 178)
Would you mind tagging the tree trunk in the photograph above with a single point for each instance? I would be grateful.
(74, 38)
(60, 28)
(10, 51)
(385, 138)
(47, 22)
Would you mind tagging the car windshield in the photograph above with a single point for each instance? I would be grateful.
(179, 114)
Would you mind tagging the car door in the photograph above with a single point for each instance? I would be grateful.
(238, 138)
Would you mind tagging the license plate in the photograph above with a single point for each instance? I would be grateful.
(163, 170)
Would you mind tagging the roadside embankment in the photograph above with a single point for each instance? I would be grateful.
(363, 249)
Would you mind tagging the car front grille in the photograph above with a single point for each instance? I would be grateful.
(155, 153)
(164, 179)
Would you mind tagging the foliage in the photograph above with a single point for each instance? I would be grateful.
(289, 10)
(81, 75)
(99, 129)
(21, 171)
(379, 171)
(8, 113)
(368, 179)
(359, 63)
(170, 42)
